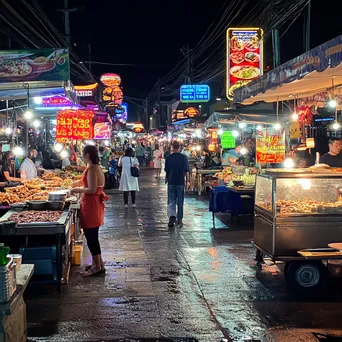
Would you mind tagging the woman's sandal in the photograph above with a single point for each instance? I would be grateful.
(87, 268)
(91, 272)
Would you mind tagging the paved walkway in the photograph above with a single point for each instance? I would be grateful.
(191, 282)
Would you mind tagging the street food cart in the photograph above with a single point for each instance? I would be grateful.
(298, 214)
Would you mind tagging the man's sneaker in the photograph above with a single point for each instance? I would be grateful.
(172, 221)
(179, 222)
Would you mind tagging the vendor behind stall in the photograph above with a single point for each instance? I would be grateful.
(28, 169)
(334, 157)
(232, 157)
(8, 169)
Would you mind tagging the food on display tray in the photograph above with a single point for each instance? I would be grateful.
(228, 176)
(30, 216)
(305, 207)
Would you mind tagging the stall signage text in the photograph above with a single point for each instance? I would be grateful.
(244, 57)
(194, 93)
(227, 140)
(102, 130)
(74, 124)
(270, 146)
(84, 93)
(56, 101)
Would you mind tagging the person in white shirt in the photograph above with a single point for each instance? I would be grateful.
(28, 169)
(65, 162)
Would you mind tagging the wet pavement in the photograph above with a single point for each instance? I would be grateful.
(187, 284)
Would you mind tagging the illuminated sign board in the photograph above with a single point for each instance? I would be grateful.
(84, 93)
(102, 130)
(244, 57)
(191, 112)
(270, 146)
(111, 80)
(56, 101)
(138, 127)
(227, 140)
(74, 124)
(194, 93)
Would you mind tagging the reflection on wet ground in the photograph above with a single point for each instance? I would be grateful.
(191, 283)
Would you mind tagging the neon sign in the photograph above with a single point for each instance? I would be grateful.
(56, 101)
(194, 93)
(111, 80)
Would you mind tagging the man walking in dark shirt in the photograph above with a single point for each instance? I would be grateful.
(177, 169)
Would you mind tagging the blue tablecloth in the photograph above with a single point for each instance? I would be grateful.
(223, 200)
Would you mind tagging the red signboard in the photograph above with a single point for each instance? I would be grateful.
(74, 124)
(270, 146)
(244, 57)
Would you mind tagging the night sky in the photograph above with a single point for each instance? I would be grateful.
(149, 34)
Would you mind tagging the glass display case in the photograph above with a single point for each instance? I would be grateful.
(295, 211)
(303, 194)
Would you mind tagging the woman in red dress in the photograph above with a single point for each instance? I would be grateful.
(92, 207)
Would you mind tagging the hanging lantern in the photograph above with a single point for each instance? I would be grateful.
(305, 115)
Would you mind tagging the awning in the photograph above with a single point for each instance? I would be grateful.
(311, 73)
(262, 113)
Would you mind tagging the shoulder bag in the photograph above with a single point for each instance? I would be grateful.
(135, 172)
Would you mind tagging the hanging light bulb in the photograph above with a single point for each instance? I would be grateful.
(64, 154)
(277, 126)
(294, 117)
(28, 114)
(336, 126)
(289, 163)
(242, 124)
(220, 131)
(235, 133)
(58, 147)
(36, 123)
(332, 103)
(258, 127)
(8, 130)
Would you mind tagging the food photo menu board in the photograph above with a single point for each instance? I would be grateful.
(244, 57)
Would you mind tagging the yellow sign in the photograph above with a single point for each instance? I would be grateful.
(295, 131)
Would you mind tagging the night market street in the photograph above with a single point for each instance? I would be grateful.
(192, 283)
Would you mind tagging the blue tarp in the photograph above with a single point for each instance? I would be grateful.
(327, 55)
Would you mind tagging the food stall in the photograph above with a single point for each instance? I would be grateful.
(233, 192)
(47, 225)
(298, 214)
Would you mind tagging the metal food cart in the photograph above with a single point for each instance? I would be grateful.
(47, 245)
(297, 215)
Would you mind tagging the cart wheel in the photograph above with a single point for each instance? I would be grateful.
(305, 275)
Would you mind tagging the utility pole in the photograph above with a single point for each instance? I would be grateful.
(146, 114)
(276, 48)
(307, 27)
(89, 58)
(67, 12)
(187, 53)
(159, 104)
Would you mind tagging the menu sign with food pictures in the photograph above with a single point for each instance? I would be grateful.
(270, 146)
(244, 57)
(74, 124)
(34, 65)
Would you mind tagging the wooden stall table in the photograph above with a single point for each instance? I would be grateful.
(13, 326)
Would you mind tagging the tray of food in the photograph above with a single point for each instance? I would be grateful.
(30, 217)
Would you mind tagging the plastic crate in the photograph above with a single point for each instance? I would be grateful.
(8, 281)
